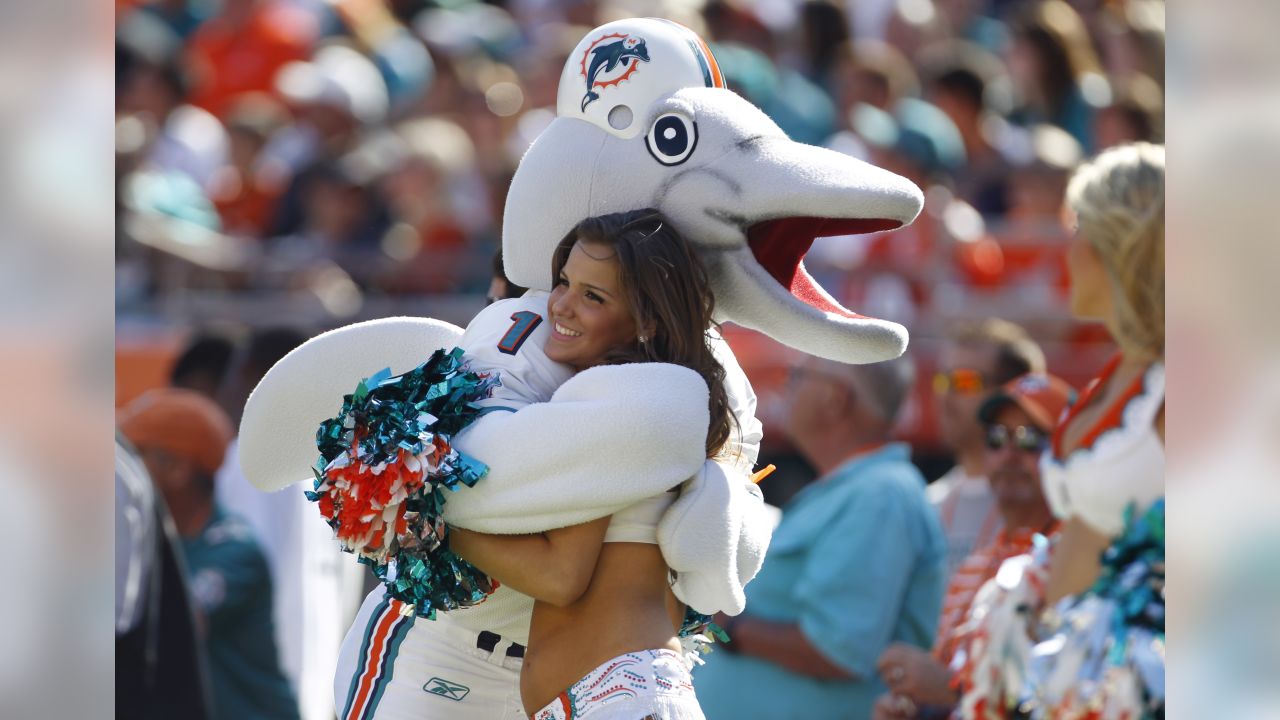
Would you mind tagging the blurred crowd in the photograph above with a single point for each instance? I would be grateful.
(353, 155)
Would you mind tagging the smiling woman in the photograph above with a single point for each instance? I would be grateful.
(590, 313)
(628, 289)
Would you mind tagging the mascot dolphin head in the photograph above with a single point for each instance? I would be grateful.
(663, 132)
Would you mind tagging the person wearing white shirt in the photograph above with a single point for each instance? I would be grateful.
(976, 359)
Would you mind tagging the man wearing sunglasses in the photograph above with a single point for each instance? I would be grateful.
(1017, 420)
(974, 361)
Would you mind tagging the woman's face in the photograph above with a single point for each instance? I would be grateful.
(1090, 291)
(589, 313)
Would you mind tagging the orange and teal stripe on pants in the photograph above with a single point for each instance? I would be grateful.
(385, 631)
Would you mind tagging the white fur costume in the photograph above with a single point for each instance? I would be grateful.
(661, 133)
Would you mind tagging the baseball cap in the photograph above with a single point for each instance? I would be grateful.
(1040, 395)
(182, 422)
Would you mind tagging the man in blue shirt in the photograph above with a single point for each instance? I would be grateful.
(857, 562)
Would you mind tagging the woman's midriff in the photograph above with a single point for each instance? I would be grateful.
(627, 607)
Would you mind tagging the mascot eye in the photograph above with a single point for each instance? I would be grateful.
(672, 138)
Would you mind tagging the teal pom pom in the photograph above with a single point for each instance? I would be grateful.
(385, 460)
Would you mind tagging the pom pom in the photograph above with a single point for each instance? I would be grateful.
(1104, 651)
(698, 635)
(1099, 655)
(385, 462)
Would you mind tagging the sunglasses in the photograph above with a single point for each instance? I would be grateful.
(1023, 437)
(962, 381)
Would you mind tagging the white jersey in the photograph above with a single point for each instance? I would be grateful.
(509, 338)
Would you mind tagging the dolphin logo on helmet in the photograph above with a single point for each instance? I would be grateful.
(607, 59)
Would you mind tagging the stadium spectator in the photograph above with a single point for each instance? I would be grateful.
(500, 288)
(959, 77)
(334, 97)
(241, 49)
(1032, 246)
(872, 72)
(246, 189)
(975, 21)
(202, 364)
(153, 87)
(1056, 74)
(976, 359)
(432, 166)
(1135, 114)
(401, 58)
(1017, 420)
(824, 27)
(182, 16)
(856, 563)
(342, 224)
(182, 437)
(160, 669)
(1130, 39)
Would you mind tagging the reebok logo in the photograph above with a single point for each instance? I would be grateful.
(446, 688)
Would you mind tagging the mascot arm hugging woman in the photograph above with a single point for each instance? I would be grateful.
(653, 127)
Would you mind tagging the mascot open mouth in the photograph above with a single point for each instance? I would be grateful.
(780, 246)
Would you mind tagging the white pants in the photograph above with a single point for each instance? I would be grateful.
(394, 666)
(642, 685)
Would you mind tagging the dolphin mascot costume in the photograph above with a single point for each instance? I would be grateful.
(643, 120)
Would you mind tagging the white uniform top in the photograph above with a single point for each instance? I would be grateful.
(638, 523)
(509, 338)
(1124, 465)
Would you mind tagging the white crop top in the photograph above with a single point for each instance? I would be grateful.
(1120, 461)
(638, 523)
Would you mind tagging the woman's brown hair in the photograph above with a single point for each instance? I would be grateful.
(670, 298)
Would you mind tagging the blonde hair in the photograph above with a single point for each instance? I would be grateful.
(1118, 198)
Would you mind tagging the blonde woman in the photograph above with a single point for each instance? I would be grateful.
(1108, 451)
(1098, 644)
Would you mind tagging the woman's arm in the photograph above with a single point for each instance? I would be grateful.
(1076, 560)
(554, 567)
